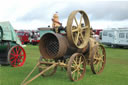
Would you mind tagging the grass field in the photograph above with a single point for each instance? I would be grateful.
(115, 72)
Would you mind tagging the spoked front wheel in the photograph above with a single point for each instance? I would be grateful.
(16, 56)
(76, 67)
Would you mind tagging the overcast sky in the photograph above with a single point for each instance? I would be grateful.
(32, 14)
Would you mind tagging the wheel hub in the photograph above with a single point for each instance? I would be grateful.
(16, 56)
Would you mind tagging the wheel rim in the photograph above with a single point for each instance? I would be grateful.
(41, 67)
(16, 56)
(78, 35)
(76, 67)
(98, 60)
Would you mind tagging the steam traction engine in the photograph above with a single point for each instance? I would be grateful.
(72, 50)
(10, 50)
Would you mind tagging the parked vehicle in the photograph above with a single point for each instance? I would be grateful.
(24, 36)
(34, 37)
(45, 30)
(96, 34)
(116, 37)
(11, 51)
(97, 31)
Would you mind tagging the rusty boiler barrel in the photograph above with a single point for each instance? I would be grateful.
(54, 45)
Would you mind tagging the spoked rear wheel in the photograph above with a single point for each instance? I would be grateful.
(41, 67)
(98, 59)
(76, 67)
(16, 56)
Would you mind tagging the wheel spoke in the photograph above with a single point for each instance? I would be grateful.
(18, 60)
(75, 30)
(100, 64)
(74, 71)
(74, 76)
(97, 58)
(101, 56)
(74, 62)
(76, 59)
(82, 37)
(84, 28)
(81, 19)
(22, 55)
(94, 62)
(16, 50)
(13, 60)
(96, 68)
(21, 58)
(81, 63)
(12, 57)
(76, 20)
(77, 38)
(72, 66)
(102, 61)
(12, 54)
(80, 74)
(80, 60)
(77, 74)
(81, 68)
(20, 52)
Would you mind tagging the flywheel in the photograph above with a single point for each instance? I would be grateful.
(78, 28)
